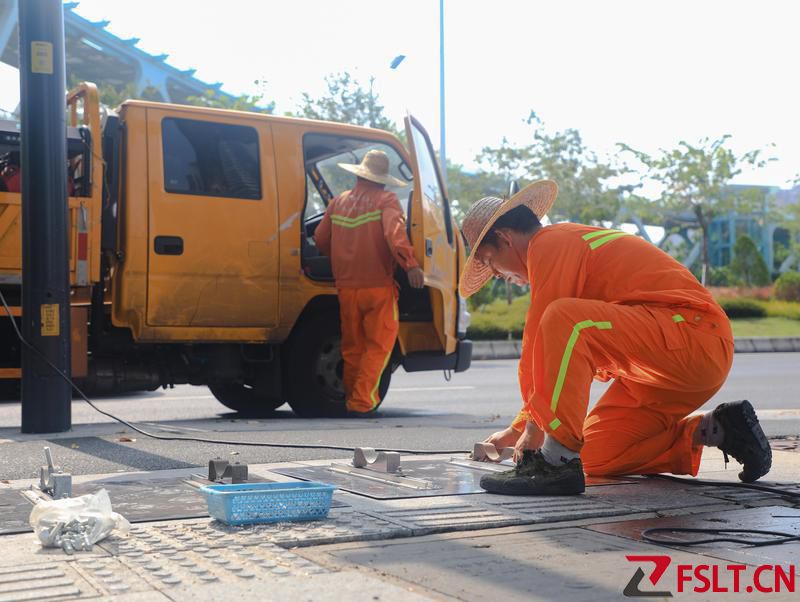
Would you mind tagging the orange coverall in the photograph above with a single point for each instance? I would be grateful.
(364, 233)
(604, 305)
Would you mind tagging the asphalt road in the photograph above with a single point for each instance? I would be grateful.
(422, 411)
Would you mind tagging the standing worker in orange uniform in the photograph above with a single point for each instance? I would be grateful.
(364, 234)
(607, 305)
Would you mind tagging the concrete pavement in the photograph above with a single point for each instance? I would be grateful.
(462, 547)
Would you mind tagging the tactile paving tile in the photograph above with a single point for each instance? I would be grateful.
(42, 581)
(206, 534)
(554, 509)
(453, 518)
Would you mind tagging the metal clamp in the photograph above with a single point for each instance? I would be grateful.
(219, 470)
(54, 481)
(487, 452)
(367, 457)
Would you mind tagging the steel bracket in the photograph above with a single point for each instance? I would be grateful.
(52, 480)
(367, 457)
(487, 452)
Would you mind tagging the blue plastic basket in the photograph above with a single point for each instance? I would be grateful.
(251, 503)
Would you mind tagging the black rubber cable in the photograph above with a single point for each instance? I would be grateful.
(202, 439)
(753, 486)
(778, 537)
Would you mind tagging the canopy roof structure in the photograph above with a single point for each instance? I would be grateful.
(95, 54)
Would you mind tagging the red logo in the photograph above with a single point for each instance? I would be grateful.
(702, 578)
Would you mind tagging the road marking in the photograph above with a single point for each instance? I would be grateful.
(415, 389)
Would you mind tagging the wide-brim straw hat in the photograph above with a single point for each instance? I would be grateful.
(538, 197)
(375, 168)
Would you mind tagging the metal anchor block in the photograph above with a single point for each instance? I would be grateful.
(487, 452)
(367, 457)
(54, 481)
(219, 470)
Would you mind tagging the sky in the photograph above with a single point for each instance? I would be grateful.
(648, 73)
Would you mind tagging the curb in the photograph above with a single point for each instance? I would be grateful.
(510, 350)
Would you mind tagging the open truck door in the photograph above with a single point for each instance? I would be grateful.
(433, 234)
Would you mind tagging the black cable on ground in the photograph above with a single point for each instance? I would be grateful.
(202, 439)
(753, 486)
(776, 537)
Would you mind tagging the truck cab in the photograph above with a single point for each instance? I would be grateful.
(206, 267)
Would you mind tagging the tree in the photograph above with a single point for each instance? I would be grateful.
(464, 188)
(347, 101)
(113, 96)
(748, 265)
(694, 179)
(584, 194)
(245, 102)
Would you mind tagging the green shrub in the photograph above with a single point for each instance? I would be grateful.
(743, 308)
(787, 287)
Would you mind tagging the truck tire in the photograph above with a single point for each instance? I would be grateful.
(241, 398)
(314, 373)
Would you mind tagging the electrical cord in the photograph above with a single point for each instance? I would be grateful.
(753, 486)
(777, 537)
(201, 439)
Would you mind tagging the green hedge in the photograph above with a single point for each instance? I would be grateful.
(743, 308)
(499, 320)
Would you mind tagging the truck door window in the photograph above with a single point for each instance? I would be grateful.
(323, 153)
(429, 179)
(211, 159)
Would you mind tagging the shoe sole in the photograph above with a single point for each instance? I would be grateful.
(754, 427)
(523, 486)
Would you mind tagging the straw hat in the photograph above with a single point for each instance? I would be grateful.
(373, 167)
(538, 197)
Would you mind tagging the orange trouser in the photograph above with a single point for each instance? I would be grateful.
(369, 330)
(666, 363)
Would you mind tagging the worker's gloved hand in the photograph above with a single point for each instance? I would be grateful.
(531, 438)
(502, 439)
(416, 277)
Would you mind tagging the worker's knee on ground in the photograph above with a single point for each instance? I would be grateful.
(600, 453)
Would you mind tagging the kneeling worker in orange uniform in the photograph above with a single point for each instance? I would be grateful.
(364, 234)
(605, 304)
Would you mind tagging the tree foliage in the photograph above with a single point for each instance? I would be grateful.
(748, 265)
(585, 194)
(694, 179)
(347, 101)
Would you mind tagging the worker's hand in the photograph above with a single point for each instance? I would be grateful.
(502, 439)
(416, 277)
(532, 438)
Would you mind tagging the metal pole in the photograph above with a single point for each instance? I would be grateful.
(46, 397)
(442, 145)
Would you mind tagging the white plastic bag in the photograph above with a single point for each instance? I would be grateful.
(76, 523)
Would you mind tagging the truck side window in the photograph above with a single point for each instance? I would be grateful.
(210, 159)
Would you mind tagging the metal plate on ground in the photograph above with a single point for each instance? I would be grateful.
(767, 518)
(141, 500)
(419, 478)
(14, 512)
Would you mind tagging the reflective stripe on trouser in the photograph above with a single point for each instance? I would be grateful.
(369, 331)
(664, 369)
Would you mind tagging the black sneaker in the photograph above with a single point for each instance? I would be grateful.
(743, 439)
(533, 475)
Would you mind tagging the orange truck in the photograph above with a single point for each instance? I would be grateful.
(192, 258)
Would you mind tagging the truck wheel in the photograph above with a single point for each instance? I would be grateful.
(241, 398)
(315, 369)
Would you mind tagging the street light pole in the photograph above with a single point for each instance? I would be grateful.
(46, 397)
(442, 144)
